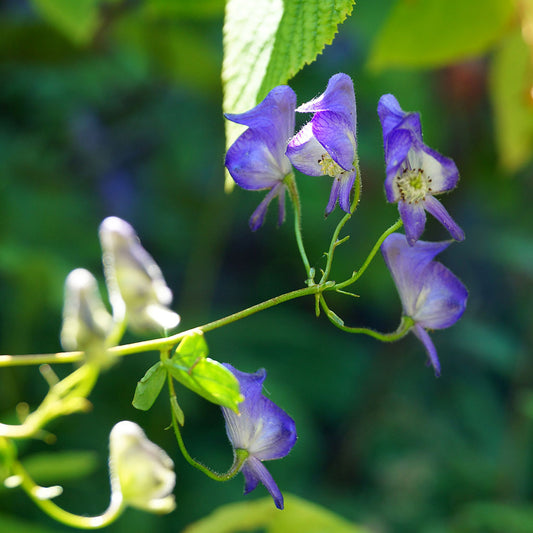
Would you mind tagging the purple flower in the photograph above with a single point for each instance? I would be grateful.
(257, 160)
(263, 429)
(327, 145)
(415, 172)
(431, 295)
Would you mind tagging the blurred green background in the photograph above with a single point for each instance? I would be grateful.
(129, 123)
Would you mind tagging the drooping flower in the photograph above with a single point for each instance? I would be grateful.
(135, 283)
(257, 160)
(142, 474)
(415, 172)
(262, 428)
(327, 144)
(86, 322)
(431, 295)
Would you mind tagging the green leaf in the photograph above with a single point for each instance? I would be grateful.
(192, 368)
(149, 387)
(77, 19)
(433, 33)
(511, 83)
(298, 515)
(266, 42)
(17, 525)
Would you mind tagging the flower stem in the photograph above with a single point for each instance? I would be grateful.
(334, 239)
(405, 325)
(295, 199)
(358, 273)
(114, 510)
(240, 455)
(164, 342)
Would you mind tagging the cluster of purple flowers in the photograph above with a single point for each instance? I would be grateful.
(263, 157)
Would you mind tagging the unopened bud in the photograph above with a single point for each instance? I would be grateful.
(135, 282)
(142, 474)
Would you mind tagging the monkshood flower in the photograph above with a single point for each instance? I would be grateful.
(86, 322)
(415, 172)
(431, 295)
(142, 474)
(135, 283)
(257, 160)
(327, 144)
(262, 429)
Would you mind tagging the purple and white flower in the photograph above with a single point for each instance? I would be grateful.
(415, 172)
(262, 428)
(431, 295)
(257, 160)
(327, 145)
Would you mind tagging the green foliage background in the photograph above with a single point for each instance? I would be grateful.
(116, 109)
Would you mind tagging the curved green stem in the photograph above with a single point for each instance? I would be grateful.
(34, 491)
(334, 239)
(403, 329)
(358, 273)
(240, 455)
(295, 199)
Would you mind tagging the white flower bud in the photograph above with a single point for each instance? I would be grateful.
(135, 283)
(86, 322)
(142, 474)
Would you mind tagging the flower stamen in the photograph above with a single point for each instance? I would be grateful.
(329, 166)
(413, 185)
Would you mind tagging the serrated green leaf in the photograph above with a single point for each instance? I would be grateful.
(266, 42)
(77, 19)
(149, 387)
(208, 378)
(433, 33)
(511, 83)
(298, 515)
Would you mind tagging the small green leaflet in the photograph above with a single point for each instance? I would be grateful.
(149, 387)
(266, 42)
(192, 368)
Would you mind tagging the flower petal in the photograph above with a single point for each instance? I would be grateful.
(423, 335)
(251, 163)
(262, 428)
(414, 219)
(442, 298)
(407, 264)
(392, 116)
(346, 186)
(255, 471)
(338, 97)
(305, 152)
(258, 216)
(434, 207)
(397, 146)
(333, 195)
(337, 136)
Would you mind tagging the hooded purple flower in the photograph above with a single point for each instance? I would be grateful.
(415, 172)
(327, 145)
(431, 295)
(257, 160)
(263, 429)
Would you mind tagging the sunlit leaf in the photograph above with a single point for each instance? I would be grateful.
(192, 368)
(77, 19)
(298, 515)
(266, 42)
(511, 86)
(149, 387)
(432, 33)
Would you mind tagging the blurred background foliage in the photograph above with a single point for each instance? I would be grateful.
(114, 108)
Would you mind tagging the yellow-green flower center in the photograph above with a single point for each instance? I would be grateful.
(330, 167)
(413, 185)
